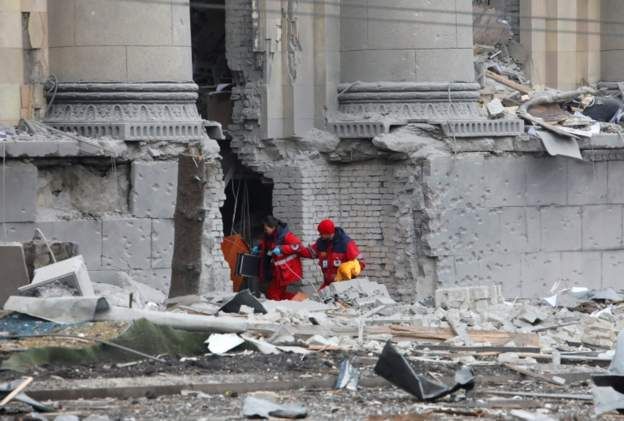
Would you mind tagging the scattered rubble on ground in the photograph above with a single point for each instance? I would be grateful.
(470, 348)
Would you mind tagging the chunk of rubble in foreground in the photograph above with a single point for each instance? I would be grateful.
(68, 277)
(475, 297)
(359, 292)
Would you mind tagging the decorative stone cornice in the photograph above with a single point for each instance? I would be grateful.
(152, 111)
(367, 109)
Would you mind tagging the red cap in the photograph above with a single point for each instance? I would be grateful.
(327, 227)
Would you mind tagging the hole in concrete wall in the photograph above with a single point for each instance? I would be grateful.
(249, 197)
(75, 190)
(210, 70)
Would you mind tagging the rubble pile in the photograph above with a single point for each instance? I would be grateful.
(436, 352)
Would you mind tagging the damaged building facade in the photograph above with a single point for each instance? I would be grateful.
(363, 111)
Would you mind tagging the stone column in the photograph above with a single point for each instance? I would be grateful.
(123, 69)
(403, 60)
(612, 41)
(407, 41)
(11, 75)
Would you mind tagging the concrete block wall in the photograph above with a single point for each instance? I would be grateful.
(138, 242)
(524, 221)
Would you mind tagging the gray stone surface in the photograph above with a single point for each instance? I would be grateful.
(561, 228)
(14, 273)
(602, 227)
(526, 221)
(18, 201)
(156, 278)
(162, 243)
(87, 233)
(405, 40)
(154, 187)
(126, 243)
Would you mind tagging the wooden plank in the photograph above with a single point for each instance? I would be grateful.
(557, 381)
(19, 389)
(509, 83)
(493, 337)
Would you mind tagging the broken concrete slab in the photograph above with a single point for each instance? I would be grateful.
(495, 108)
(123, 282)
(557, 145)
(58, 309)
(359, 292)
(14, 272)
(474, 297)
(67, 277)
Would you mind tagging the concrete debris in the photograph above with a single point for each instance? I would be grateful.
(67, 277)
(495, 108)
(358, 292)
(254, 407)
(220, 344)
(531, 416)
(557, 145)
(58, 309)
(477, 297)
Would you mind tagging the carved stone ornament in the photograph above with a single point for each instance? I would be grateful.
(368, 109)
(153, 111)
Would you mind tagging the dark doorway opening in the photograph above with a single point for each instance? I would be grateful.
(210, 70)
(249, 198)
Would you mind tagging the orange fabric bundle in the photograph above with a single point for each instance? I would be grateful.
(231, 247)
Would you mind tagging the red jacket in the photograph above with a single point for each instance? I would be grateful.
(332, 253)
(286, 268)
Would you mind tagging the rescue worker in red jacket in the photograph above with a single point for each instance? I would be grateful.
(280, 262)
(338, 255)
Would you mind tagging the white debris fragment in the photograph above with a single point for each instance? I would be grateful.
(220, 343)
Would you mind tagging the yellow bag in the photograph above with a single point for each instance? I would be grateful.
(348, 270)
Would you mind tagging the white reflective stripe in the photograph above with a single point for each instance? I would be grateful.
(285, 260)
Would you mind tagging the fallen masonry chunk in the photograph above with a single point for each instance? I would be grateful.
(65, 278)
(358, 292)
(255, 407)
(495, 108)
(393, 367)
(475, 298)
